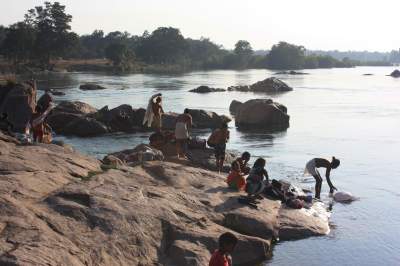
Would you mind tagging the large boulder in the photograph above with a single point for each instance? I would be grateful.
(75, 107)
(18, 101)
(59, 120)
(262, 114)
(201, 119)
(84, 127)
(395, 73)
(234, 106)
(206, 89)
(91, 87)
(271, 85)
(207, 119)
(118, 119)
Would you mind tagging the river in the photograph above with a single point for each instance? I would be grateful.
(336, 112)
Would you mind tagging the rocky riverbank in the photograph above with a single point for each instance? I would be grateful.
(59, 207)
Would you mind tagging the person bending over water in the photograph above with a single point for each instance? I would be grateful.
(258, 179)
(311, 168)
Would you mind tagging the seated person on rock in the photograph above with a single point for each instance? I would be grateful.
(218, 140)
(236, 178)
(311, 169)
(221, 257)
(256, 183)
(242, 161)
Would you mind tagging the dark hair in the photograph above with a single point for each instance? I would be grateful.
(260, 162)
(224, 125)
(335, 162)
(38, 108)
(186, 111)
(227, 239)
(246, 154)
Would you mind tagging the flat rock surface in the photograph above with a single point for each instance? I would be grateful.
(60, 208)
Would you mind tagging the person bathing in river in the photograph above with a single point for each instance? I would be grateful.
(222, 256)
(182, 127)
(218, 140)
(154, 111)
(311, 169)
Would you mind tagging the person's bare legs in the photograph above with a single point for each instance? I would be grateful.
(178, 148)
(318, 185)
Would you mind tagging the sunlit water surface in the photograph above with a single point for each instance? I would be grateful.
(332, 112)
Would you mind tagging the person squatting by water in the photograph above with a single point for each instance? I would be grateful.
(154, 111)
(236, 178)
(222, 256)
(182, 127)
(218, 140)
(311, 169)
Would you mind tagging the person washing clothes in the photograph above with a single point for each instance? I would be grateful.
(312, 169)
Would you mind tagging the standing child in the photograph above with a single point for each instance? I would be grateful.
(221, 257)
(218, 140)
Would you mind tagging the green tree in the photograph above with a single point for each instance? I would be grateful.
(286, 56)
(18, 43)
(243, 48)
(53, 31)
(165, 45)
(120, 55)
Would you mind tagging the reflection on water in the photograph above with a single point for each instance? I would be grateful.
(333, 112)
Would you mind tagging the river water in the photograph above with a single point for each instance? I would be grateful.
(336, 112)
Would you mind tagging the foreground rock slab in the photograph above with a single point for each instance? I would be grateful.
(61, 208)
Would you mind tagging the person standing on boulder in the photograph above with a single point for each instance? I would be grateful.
(218, 140)
(221, 257)
(154, 111)
(311, 169)
(182, 127)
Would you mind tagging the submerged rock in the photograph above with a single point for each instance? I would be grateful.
(91, 87)
(291, 72)
(395, 73)
(258, 114)
(206, 89)
(270, 85)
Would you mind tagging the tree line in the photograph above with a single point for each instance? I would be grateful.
(45, 34)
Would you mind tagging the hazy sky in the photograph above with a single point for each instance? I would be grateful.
(316, 24)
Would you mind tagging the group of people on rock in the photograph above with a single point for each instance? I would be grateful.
(254, 180)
